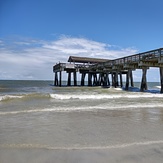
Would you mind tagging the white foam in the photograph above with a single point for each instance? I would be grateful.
(118, 89)
(104, 96)
(127, 107)
(8, 97)
(158, 87)
(19, 96)
(86, 108)
(116, 146)
(27, 111)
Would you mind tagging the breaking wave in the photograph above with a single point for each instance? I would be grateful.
(23, 96)
(104, 96)
(10, 97)
(99, 96)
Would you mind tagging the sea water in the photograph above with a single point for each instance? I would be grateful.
(43, 123)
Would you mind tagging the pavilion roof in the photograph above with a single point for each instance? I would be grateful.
(86, 60)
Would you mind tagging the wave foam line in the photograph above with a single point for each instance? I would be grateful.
(91, 108)
(82, 96)
(20, 96)
(118, 146)
(27, 111)
(9, 97)
(106, 96)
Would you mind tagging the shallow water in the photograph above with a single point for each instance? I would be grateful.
(42, 123)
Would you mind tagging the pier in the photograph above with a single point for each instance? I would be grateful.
(99, 71)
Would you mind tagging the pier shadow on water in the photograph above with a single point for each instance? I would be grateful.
(136, 89)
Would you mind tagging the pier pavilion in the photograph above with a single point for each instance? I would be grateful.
(99, 70)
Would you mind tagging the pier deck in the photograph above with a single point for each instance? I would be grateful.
(98, 70)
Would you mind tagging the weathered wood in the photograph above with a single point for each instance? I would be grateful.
(76, 59)
(127, 80)
(131, 79)
(83, 79)
(116, 79)
(104, 80)
(108, 80)
(56, 79)
(161, 79)
(69, 79)
(89, 79)
(95, 82)
(121, 80)
(144, 80)
(100, 79)
(125, 65)
(75, 78)
(60, 78)
(113, 79)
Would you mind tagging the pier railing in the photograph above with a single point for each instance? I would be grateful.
(153, 56)
(149, 56)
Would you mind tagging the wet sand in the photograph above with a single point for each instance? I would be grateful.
(136, 153)
(81, 137)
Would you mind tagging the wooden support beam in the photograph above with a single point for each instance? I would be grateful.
(108, 80)
(95, 82)
(121, 80)
(56, 79)
(116, 79)
(144, 80)
(113, 79)
(89, 79)
(83, 79)
(100, 79)
(161, 79)
(60, 78)
(127, 80)
(131, 79)
(69, 79)
(104, 80)
(75, 78)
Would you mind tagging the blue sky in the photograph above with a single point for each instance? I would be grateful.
(35, 34)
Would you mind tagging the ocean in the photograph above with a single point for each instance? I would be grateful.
(41, 123)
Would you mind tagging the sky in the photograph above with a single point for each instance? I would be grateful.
(36, 34)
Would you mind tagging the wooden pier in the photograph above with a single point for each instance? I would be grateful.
(99, 71)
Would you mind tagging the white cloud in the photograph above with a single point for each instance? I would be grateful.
(85, 47)
(33, 59)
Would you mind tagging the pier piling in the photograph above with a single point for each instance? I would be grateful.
(75, 78)
(69, 79)
(121, 81)
(60, 78)
(56, 79)
(161, 79)
(127, 80)
(83, 78)
(144, 80)
(116, 79)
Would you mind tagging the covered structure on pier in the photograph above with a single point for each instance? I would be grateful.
(75, 59)
(77, 64)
